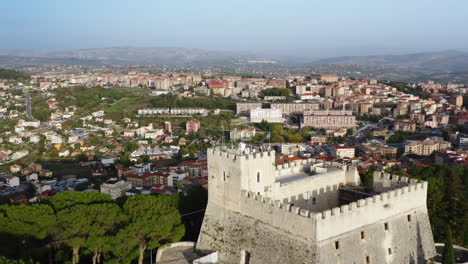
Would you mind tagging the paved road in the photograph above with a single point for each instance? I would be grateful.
(28, 106)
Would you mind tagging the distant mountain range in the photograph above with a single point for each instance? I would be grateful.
(170, 56)
(431, 62)
(398, 67)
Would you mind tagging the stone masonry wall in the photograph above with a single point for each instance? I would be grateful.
(404, 242)
(230, 233)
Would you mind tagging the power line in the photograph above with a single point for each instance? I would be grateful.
(194, 212)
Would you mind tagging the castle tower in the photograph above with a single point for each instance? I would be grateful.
(310, 211)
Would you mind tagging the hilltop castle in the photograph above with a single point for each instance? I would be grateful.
(310, 211)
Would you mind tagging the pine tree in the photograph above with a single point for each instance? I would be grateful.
(448, 256)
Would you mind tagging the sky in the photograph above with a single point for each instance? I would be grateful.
(343, 27)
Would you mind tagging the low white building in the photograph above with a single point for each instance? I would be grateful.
(98, 113)
(343, 152)
(24, 123)
(266, 114)
(64, 153)
(153, 134)
(129, 133)
(19, 154)
(19, 129)
(43, 187)
(73, 139)
(13, 181)
(244, 133)
(56, 139)
(115, 188)
(15, 140)
(32, 177)
(34, 139)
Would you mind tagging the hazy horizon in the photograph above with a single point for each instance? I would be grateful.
(321, 29)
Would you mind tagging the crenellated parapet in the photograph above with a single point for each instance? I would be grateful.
(296, 163)
(372, 209)
(285, 207)
(313, 193)
(385, 181)
(383, 199)
(234, 154)
(378, 175)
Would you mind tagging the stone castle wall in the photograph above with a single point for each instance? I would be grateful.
(270, 232)
(408, 242)
(293, 230)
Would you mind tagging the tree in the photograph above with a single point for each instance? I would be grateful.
(14, 75)
(446, 199)
(448, 256)
(88, 225)
(107, 218)
(5, 260)
(154, 221)
(367, 178)
(73, 226)
(27, 220)
(42, 114)
(68, 199)
(29, 223)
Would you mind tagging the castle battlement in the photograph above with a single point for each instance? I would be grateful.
(393, 177)
(296, 163)
(235, 154)
(314, 192)
(286, 207)
(406, 193)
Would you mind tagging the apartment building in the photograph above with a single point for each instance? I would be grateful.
(426, 147)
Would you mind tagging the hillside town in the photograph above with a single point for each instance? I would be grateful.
(124, 143)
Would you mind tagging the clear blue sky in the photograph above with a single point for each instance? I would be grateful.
(379, 26)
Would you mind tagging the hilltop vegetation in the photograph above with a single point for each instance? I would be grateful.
(447, 200)
(172, 101)
(6, 74)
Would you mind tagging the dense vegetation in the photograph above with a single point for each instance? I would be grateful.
(447, 200)
(173, 101)
(89, 227)
(400, 136)
(404, 87)
(276, 92)
(278, 133)
(40, 108)
(370, 118)
(6, 74)
(87, 96)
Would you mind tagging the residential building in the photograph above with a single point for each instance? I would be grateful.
(426, 147)
(192, 126)
(376, 150)
(329, 119)
(242, 134)
(266, 114)
(115, 188)
(244, 108)
(405, 125)
(343, 151)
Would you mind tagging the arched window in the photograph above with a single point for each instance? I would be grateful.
(224, 176)
(258, 176)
